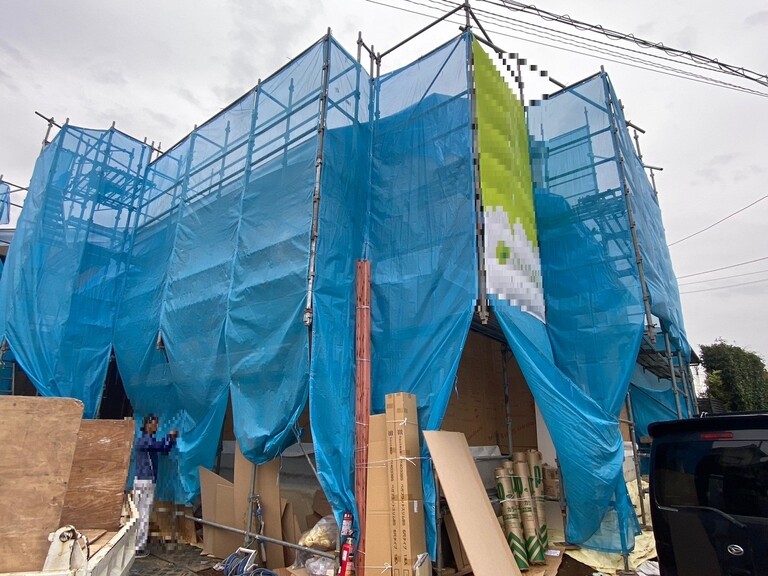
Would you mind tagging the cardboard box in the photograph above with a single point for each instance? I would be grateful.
(378, 550)
(378, 527)
(403, 446)
(378, 481)
(412, 533)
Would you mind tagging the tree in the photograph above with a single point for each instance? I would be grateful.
(735, 376)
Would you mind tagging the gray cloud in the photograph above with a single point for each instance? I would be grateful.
(15, 54)
(757, 19)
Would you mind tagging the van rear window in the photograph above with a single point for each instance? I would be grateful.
(730, 475)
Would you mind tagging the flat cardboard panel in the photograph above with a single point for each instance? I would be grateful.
(483, 539)
(217, 495)
(268, 489)
(37, 444)
(459, 554)
(477, 408)
(291, 531)
(99, 473)
(186, 527)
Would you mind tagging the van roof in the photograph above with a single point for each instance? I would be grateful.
(732, 421)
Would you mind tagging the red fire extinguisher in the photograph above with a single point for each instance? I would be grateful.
(347, 565)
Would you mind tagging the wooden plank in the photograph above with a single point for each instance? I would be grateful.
(102, 541)
(362, 400)
(37, 443)
(93, 535)
(268, 489)
(483, 539)
(96, 488)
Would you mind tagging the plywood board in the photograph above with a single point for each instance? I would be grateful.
(99, 473)
(37, 443)
(483, 539)
(267, 487)
(217, 495)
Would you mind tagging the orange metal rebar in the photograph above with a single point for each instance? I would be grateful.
(362, 399)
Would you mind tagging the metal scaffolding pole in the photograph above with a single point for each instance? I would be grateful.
(507, 399)
(308, 311)
(482, 288)
(630, 214)
(687, 385)
(633, 440)
(672, 375)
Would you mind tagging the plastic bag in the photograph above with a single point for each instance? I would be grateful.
(319, 566)
(322, 536)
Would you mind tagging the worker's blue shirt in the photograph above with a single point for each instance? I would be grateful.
(147, 449)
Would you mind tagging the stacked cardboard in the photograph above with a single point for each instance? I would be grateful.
(406, 504)
(378, 549)
(227, 503)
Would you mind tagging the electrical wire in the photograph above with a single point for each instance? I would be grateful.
(719, 221)
(614, 35)
(646, 65)
(723, 268)
(586, 44)
(724, 287)
(724, 277)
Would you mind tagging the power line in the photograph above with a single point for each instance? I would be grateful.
(648, 66)
(614, 35)
(723, 268)
(724, 287)
(719, 221)
(724, 277)
(589, 44)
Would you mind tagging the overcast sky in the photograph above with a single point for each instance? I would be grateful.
(157, 68)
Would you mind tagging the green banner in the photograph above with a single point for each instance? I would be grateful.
(512, 263)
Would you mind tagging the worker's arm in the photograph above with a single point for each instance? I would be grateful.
(163, 446)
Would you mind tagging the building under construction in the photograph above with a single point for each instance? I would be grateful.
(520, 282)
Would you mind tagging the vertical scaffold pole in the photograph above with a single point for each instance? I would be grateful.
(308, 311)
(507, 399)
(630, 214)
(687, 385)
(633, 441)
(482, 288)
(672, 375)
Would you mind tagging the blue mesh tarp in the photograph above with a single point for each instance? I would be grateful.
(5, 203)
(344, 186)
(657, 266)
(594, 308)
(213, 299)
(422, 234)
(65, 269)
(229, 212)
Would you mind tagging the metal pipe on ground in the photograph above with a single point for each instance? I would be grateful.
(262, 538)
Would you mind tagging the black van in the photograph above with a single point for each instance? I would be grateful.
(709, 495)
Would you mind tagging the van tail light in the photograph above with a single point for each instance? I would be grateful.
(717, 436)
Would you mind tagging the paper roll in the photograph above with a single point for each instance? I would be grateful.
(522, 483)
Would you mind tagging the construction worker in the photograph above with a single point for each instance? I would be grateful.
(147, 450)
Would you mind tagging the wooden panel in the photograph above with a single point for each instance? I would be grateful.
(477, 408)
(37, 444)
(99, 472)
(482, 537)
